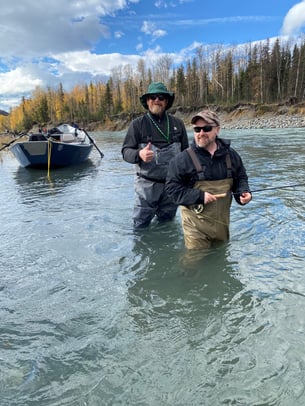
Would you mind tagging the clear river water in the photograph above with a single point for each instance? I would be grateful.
(93, 313)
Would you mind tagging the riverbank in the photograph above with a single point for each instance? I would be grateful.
(268, 121)
(240, 117)
(247, 116)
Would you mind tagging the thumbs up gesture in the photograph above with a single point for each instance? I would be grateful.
(146, 153)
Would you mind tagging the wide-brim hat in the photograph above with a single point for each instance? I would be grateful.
(207, 115)
(158, 88)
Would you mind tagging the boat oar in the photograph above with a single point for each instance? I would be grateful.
(11, 142)
(93, 142)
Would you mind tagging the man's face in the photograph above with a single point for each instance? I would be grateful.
(205, 133)
(157, 103)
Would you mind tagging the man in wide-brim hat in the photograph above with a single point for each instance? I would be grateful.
(152, 140)
(158, 88)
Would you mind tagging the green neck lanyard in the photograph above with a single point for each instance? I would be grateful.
(166, 136)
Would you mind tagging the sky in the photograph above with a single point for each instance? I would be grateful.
(47, 42)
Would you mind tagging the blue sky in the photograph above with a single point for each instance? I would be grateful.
(43, 43)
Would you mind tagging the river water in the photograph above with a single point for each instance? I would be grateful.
(95, 314)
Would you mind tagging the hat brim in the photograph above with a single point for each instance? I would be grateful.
(169, 95)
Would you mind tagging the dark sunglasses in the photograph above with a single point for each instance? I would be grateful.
(161, 97)
(206, 128)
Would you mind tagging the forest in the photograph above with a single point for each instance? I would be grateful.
(260, 73)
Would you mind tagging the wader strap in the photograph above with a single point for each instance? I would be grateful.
(229, 165)
(195, 160)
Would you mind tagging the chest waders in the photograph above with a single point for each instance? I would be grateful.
(150, 197)
(156, 170)
(204, 224)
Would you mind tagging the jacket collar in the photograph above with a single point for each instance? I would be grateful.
(223, 147)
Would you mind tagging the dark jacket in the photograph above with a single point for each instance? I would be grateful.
(142, 130)
(182, 174)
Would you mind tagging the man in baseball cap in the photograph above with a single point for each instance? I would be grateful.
(202, 180)
(208, 116)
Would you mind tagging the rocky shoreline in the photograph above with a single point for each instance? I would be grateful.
(252, 117)
(287, 121)
(227, 122)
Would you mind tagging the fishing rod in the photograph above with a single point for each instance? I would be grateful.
(198, 208)
(274, 188)
(220, 195)
(278, 187)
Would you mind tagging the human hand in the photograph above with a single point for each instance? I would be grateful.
(245, 197)
(209, 198)
(146, 153)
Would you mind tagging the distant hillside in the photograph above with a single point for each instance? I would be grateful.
(3, 113)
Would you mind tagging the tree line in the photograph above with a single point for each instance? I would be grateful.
(259, 73)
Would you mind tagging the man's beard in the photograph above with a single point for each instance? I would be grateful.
(157, 109)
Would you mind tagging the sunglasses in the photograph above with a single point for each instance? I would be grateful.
(161, 97)
(206, 128)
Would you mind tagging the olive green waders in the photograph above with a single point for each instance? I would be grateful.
(212, 223)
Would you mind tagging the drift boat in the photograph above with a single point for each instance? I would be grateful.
(62, 146)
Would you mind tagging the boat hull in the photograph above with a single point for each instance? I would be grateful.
(44, 154)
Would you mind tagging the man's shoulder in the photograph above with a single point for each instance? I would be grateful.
(182, 155)
(175, 118)
(139, 118)
(138, 121)
(224, 142)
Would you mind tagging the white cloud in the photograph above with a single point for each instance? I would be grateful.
(158, 34)
(31, 28)
(18, 81)
(169, 4)
(150, 28)
(15, 84)
(294, 20)
(32, 32)
(118, 34)
(96, 65)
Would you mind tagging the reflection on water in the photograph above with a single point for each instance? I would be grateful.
(35, 182)
(93, 313)
(199, 312)
(167, 281)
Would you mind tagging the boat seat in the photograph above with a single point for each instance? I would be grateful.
(67, 138)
